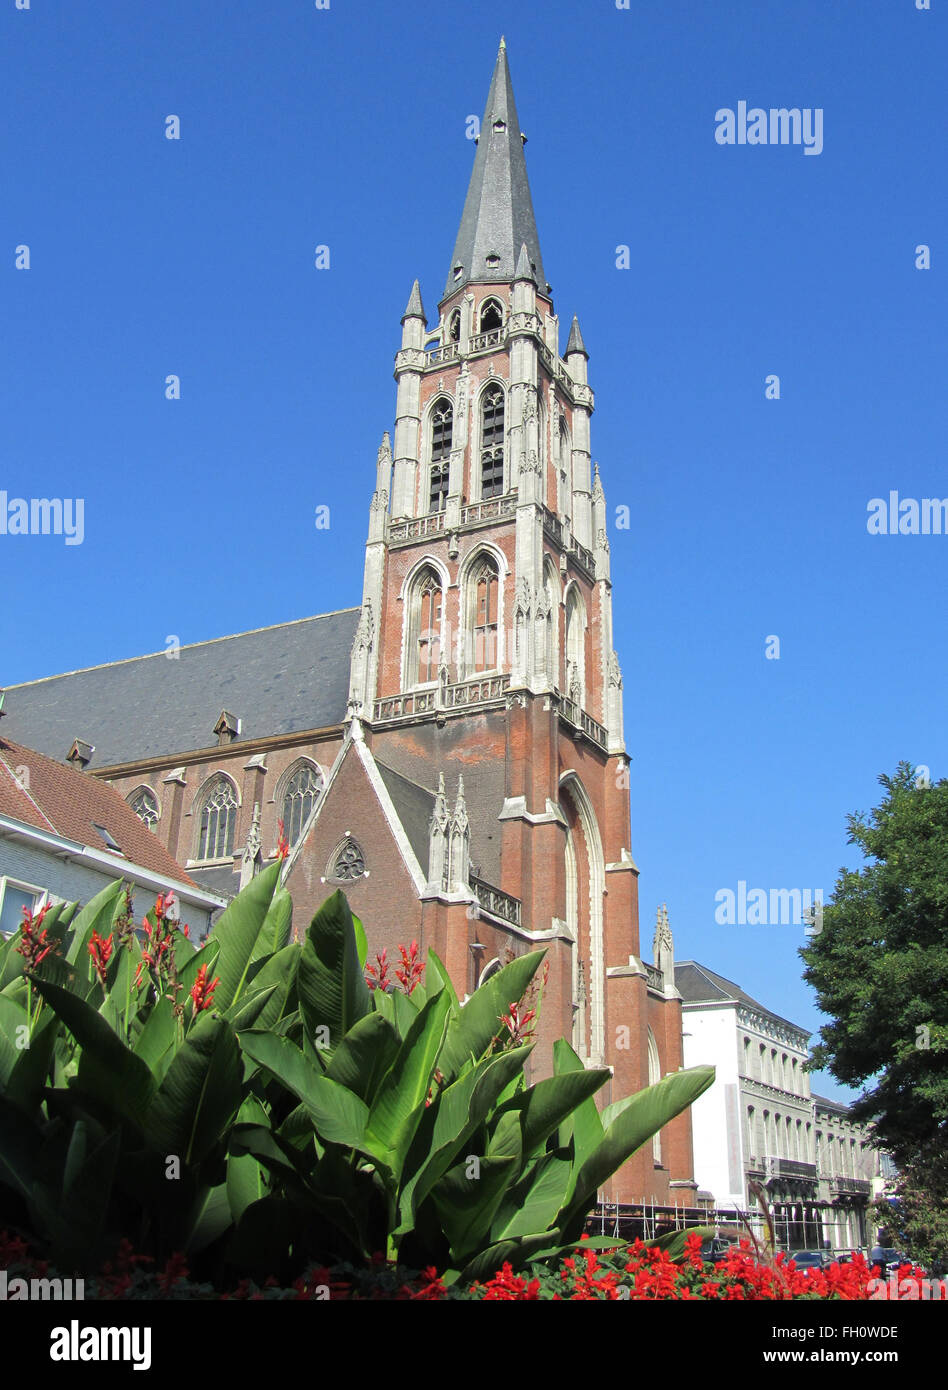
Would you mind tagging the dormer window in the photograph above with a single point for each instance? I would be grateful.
(493, 261)
(458, 271)
(500, 126)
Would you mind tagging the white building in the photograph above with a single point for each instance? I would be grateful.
(759, 1126)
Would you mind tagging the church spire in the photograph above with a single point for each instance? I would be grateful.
(498, 212)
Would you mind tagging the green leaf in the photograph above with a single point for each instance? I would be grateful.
(97, 915)
(466, 1204)
(200, 1094)
(535, 1201)
(364, 1056)
(340, 1116)
(155, 1044)
(108, 1071)
(405, 1086)
(278, 970)
(275, 932)
(237, 931)
(332, 990)
(479, 1018)
(460, 1109)
(362, 944)
(644, 1116)
(20, 1147)
(583, 1126)
(209, 1217)
(545, 1106)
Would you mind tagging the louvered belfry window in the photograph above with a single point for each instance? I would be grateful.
(429, 628)
(486, 585)
(492, 443)
(442, 427)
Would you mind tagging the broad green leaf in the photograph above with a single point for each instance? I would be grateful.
(582, 1126)
(479, 1019)
(97, 915)
(112, 1075)
(237, 931)
(331, 986)
(20, 1147)
(437, 978)
(278, 970)
(460, 1109)
(533, 1204)
(466, 1203)
(546, 1105)
(644, 1116)
(362, 945)
(405, 1086)
(200, 1094)
(340, 1116)
(275, 932)
(364, 1056)
(209, 1217)
(155, 1044)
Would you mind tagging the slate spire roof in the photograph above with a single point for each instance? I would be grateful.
(498, 211)
(576, 343)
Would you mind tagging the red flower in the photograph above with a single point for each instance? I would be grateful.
(376, 976)
(34, 945)
(100, 951)
(409, 973)
(283, 844)
(202, 993)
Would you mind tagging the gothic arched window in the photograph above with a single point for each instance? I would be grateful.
(424, 637)
(145, 805)
(300, 795)
(348, 863)
(492, 442)
(218, 819)
(575, 649)
(442, 428)
(485, 586)
(492, 315)
(454, 326)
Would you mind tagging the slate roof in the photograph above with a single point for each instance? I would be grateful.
(68, 803)
(414, 805)
(498, 213)
(698, 985)
(276, 680)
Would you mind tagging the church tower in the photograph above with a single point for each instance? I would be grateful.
(484, 662)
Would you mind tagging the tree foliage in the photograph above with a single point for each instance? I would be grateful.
(879, 967)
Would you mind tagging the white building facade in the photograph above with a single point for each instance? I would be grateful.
(760, 1133)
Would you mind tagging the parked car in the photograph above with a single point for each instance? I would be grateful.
(807, 1260)
(887, 1258)
(715, 1249)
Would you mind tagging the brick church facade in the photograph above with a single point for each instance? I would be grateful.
(450, 752)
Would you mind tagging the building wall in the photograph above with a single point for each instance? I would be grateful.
(73, 882)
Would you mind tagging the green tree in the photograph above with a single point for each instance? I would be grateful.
(917, 1221)
(879, 965)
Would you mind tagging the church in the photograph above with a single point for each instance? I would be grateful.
(450, 752)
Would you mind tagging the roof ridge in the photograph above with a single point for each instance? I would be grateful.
(189, 646)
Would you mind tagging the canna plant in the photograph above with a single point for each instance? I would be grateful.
(121, 1072)
(414, 1131)
(259, 1103)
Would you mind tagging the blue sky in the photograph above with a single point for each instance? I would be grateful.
(346, 127)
